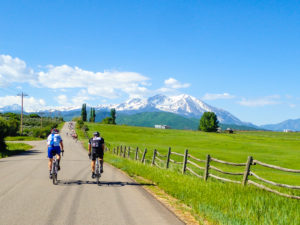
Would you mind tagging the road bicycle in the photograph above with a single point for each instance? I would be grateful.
(97, 171)
(54, 170)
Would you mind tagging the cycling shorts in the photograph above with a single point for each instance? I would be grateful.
(98, 154)
(52, 151)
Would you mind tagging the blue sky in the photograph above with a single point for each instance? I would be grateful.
(241, 56)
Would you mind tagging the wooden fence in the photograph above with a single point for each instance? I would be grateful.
(163, 161)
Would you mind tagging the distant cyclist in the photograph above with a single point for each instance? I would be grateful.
(54, 142)
(96, 149)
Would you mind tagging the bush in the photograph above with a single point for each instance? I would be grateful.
(85, 128)
(41, 132)
(107, 120)
(4, 131)
(79, 124)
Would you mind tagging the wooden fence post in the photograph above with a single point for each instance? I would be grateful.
(114, 150)
(136, 153)
(121, 150)
(206, 172)
(185, 161)
(117, 150)
(124, 153)
(128, 156)
(247, 170)
(144, 155)
(153, 159)
(168, 158)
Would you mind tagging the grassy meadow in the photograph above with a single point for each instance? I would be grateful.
(14, 149)
(217, 201)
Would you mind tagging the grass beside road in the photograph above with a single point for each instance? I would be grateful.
(23, 138)
(277, 148)
(218, 202)
(214, 201)
(14, 149)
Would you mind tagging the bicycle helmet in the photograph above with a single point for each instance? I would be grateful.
(97, 134)
(54, 131)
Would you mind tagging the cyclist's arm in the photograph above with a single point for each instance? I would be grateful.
(89, 148)
(61, 145)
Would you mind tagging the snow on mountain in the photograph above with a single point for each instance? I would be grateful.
(11, 108)
(184, 105)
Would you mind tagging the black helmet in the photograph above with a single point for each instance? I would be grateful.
(97, 134)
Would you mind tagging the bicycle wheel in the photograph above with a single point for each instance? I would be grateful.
(54, 178)
(54, 173)
(97, 172)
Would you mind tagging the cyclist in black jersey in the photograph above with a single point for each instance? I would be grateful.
(96, 149)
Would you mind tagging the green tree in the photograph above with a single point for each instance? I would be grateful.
(83, 112)
(91, 115)
(4, 131)
(94, 115)
(107, 120)
(113, 115)
(209, 122)
(34, 115)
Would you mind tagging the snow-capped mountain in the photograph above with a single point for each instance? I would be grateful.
(11, 108)
(184, 105)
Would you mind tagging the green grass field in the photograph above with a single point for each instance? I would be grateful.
(215, 200)
(22, 138)
(15, 148)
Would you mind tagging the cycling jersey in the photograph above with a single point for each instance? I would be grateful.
(97, 147)
(53, 140)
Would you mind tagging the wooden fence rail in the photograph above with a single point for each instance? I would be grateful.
(159, 160)
(275, 167)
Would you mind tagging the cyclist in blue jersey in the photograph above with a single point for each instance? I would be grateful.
(55, 146)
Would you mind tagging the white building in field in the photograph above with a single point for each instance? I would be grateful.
(287, 131)
(162, 127)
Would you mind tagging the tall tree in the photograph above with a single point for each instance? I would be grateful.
(83, 112)
(94, 115)
(113, 115)
(91, 115)
(209, 122)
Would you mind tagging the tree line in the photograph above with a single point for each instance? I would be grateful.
(92, 117)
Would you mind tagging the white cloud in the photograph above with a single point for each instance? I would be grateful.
(268, 100)
(209, 96)
(62, 100)
(30, 104)
(175, 84)
(108, 84)
(14, 70)
(80, 98)
(292, 106)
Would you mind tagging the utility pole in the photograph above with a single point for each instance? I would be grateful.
(41, 115)
(22, 96)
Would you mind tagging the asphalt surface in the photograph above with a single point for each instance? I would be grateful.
(27, 195)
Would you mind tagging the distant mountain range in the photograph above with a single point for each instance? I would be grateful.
(184, 108)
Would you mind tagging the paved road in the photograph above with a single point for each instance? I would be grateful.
(27, 195)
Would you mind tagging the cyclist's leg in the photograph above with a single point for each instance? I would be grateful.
(93, 161)
(101, 161)
(50, 156)
(93, 164)
(50, 164)
(57, 151)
